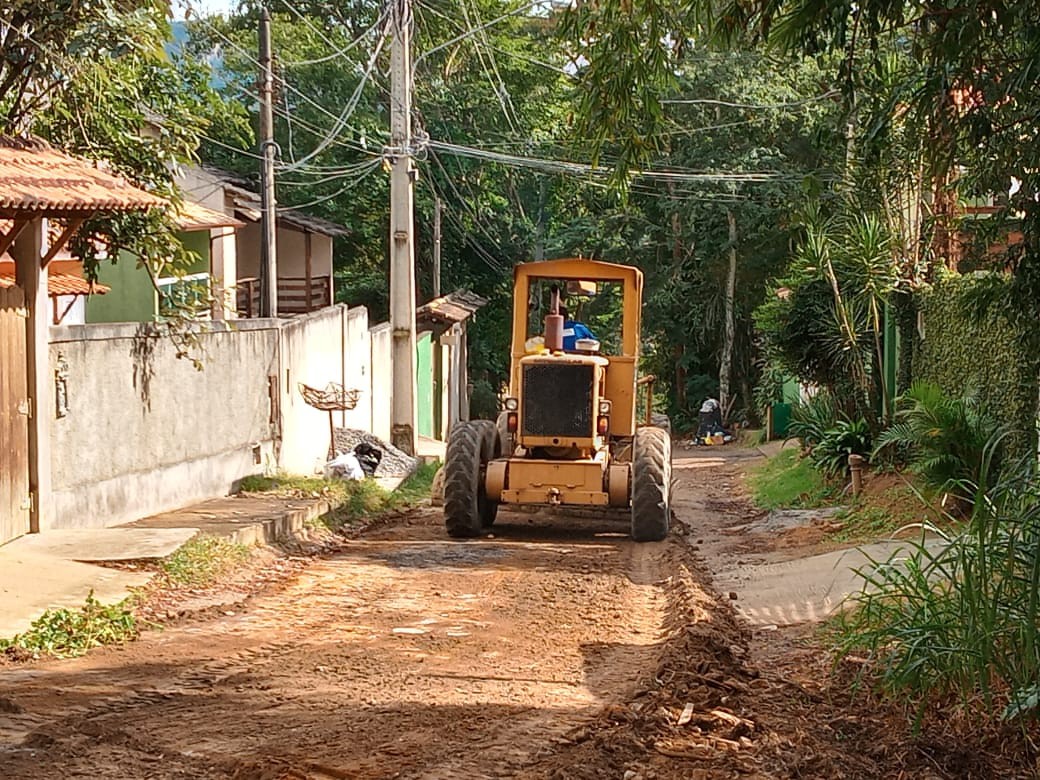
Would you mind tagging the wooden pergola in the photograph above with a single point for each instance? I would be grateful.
(39, 183)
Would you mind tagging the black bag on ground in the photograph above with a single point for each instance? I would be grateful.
(369, 457)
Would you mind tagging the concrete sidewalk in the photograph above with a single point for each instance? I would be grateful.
(60, 568)
(51, 570)
(806, 589)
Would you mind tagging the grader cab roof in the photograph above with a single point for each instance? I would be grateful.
(580, 268)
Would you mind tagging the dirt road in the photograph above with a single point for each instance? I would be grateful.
(556, 648)
(405, 655)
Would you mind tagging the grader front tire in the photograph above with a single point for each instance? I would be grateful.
(467, 509)
(651, 484)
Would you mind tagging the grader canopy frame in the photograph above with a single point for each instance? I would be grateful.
(621, 378)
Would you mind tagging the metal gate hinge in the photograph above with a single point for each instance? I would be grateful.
(27, 504)
(25, 407)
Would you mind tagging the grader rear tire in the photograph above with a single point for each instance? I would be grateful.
(467, 509)
(651, 484)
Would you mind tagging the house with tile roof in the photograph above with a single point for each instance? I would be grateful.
(135, 296)
(38, 185)
(219, 222)
(304, 246)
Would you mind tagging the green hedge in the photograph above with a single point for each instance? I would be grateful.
(973, 351)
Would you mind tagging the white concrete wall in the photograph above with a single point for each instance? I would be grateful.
(382, 380)
(357, 369)
(146, 432)
(316, 350)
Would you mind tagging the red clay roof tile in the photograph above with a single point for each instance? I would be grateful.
(35, 178)
(63, 284)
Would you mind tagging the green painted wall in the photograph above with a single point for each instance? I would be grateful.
(424, 383)
(133, 297)
(792, 391)
(197, 242)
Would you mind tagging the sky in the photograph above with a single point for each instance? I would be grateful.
(201, 7)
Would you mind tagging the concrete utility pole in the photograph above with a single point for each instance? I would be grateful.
(268, 206)
(404, 413)
(437, 207)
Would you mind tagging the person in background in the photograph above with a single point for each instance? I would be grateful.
(710, 418)
(572, 331)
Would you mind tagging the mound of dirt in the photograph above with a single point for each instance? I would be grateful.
(726, 703)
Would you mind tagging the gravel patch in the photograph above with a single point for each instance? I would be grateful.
(394, 462)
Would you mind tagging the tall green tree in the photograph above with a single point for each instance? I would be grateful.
(94, 78)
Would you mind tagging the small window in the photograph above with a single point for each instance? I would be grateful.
(188, 295)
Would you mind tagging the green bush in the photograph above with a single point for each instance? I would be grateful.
(957, 616)
(848, 437)
(944, 440)
(811, 420)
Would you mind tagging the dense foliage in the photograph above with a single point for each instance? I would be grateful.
(95, 80)
(955, 617)
(969, 346)
(823, 321)
(949, 441)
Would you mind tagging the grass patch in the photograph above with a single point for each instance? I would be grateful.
(417, 487)
(293, 486)
(788, 481)
(66, 633)
(203, 561)
(875, 515)
(355, 500)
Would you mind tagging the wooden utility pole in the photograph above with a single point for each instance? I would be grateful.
(404, 412)
(729, 335)
(437, 207)
(268, 206)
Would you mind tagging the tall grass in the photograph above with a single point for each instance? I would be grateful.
(957, 617)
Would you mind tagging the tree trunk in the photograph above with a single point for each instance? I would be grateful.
(726, 362)
(679, 350)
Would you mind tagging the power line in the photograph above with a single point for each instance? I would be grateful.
(500, 90)
(584, 169)
(337, 50)
(516, 12)
(253, 61)
(348, 109)
(754, 106)
(488, 259)
(368, 169)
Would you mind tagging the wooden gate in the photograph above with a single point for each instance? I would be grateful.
(14, 417)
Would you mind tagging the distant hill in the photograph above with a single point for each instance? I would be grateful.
(177, 44)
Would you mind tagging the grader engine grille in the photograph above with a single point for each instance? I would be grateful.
(557, 400)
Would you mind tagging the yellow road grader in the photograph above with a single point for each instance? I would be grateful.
(568, 435)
